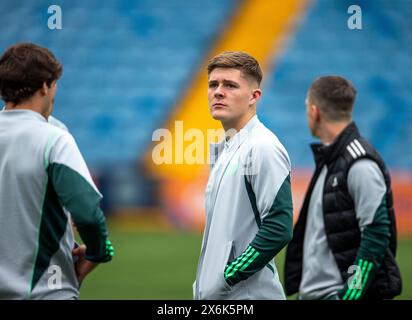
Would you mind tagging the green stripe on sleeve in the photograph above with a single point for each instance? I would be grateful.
(359, 282)
(357, 287)
(245, 259)
(355, 280)
(255, 255)
(234, 263)
(365, 281)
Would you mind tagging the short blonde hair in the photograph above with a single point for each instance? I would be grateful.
(242, 61)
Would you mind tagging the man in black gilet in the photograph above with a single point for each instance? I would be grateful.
(344, 242)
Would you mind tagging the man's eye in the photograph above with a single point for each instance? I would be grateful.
(212, 85)
(231, 85)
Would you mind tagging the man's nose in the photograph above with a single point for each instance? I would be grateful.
(219, 92)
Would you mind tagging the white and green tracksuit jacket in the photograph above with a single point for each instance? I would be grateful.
(248, 217)
(43, 177)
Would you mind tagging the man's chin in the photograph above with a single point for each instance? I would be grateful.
(220, 116)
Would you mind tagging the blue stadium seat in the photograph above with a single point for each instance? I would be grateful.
(377, 59)
(125, 63)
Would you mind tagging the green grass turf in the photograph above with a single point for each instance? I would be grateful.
(163, 266)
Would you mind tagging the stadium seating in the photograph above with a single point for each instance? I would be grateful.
(126, 63)
(377, 59)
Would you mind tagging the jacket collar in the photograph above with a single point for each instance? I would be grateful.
(243, 133)
(327, 154)
(217, 148)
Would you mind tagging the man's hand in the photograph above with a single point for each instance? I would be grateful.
(82, 266)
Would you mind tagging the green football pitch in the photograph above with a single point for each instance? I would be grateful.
(162, 265)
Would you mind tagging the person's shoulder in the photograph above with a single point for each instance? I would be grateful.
(365, 176)
(264, 138)
(364, 166)
(265, 144)
(46, 128)
(57, 133)
(57, 123)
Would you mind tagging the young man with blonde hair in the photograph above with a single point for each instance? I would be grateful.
(248, 196)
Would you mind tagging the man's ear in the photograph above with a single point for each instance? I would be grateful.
(44, 90)
(315, 112)
(256, 94)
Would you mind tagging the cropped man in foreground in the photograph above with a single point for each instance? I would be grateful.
(43, 177)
